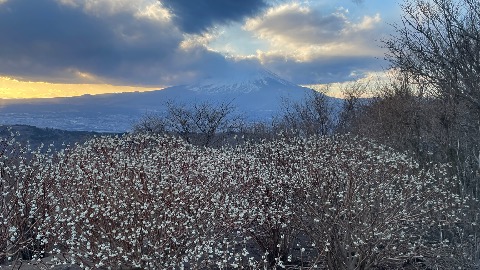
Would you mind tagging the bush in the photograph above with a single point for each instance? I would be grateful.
(25, 206)
(155, 202)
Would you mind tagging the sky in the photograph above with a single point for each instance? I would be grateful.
(71, 47)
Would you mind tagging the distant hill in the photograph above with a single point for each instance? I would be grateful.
(36, 136)
(257, 95)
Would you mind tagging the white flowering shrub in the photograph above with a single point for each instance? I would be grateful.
(133, 201)
(25, 201)
(363, 205)
(156, 202)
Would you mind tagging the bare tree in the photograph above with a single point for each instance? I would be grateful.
(439, 42)
(352, 105)
(203, 123)
(200, 123)
(312, 116)
(150, 123)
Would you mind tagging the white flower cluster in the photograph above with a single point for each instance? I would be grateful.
(156, 202)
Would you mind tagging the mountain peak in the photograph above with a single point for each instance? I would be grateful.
(240, 82)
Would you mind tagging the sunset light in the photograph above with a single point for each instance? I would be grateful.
(15, 89)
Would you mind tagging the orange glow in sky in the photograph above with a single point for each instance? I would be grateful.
(15, 89)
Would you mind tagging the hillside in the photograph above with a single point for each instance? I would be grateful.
(36, 136)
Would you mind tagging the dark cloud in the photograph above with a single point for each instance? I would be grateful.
(40, 34)
(196, 16)
(45, 39)
(325, 69)
(55, 42)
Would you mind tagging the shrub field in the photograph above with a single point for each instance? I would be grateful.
(156, 202)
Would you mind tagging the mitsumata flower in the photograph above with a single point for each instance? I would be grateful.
(157, 202)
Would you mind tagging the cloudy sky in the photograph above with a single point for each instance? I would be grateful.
(70, 47)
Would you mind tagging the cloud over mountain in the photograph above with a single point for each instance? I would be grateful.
(168, 42)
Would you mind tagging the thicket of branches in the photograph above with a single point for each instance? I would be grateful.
(431, 107)
(205, 124)
(156, 202)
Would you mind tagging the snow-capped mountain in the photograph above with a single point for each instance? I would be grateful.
(257, 95)
(241, 83)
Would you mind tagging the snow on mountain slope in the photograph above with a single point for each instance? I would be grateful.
(257, 94)
(241, 83)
